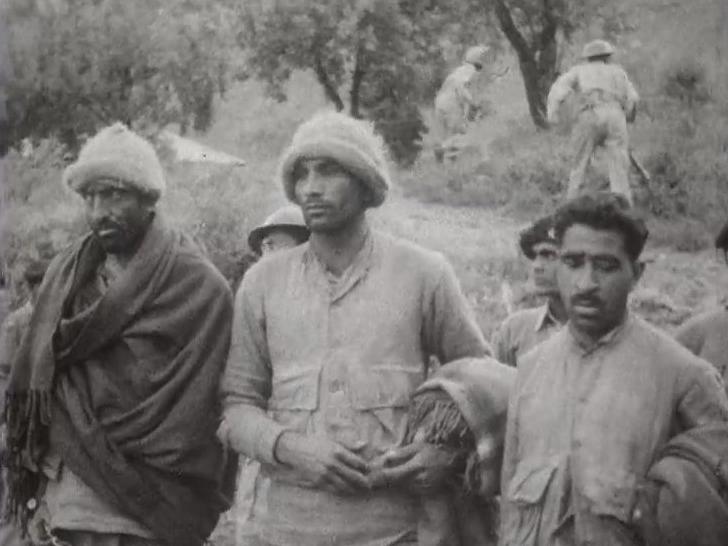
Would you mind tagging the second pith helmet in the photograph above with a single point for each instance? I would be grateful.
(597, 48)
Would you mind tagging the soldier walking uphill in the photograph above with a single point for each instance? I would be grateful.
(455, 106)
(607, 100)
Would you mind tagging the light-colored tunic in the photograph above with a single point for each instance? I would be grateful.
(584, 425)
(521, 331)
(338, 360)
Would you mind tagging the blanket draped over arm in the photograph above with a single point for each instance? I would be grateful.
(463, 406)
(126, 390)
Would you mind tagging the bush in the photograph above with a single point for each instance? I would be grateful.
(686, 80)
(522, 172)
(402, 128)
(218, 206)
(39, 215)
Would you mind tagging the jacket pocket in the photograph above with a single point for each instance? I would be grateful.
(611, 492)
(523, 506)
(529, 484)
(384, 386)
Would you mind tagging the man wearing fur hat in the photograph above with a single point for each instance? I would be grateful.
(606, 102)
(330, 340)
(112, 401)
(526, 328)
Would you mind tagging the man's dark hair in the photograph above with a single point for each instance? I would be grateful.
(604, 211)
(541, 231)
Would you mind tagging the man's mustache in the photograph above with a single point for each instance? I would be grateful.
(586, 300)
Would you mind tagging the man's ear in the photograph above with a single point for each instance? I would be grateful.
(638, 269)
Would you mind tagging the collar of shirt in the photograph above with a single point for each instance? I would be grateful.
(545, 318)
(609, 339)
(338, 287)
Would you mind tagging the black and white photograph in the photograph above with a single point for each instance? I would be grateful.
(363, 273)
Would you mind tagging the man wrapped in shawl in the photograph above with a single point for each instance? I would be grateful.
(460, 410)
(112, 400)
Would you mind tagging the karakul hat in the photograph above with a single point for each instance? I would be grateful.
(350, 142)
(117, 153)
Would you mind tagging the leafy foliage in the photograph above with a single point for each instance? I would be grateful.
(147, 63)
(374, 58)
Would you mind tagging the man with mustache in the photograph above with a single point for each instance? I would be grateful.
(594, 404)
(330, 340)
(526, 328)
(112, 403)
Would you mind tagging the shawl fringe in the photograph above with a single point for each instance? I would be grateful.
(27, 416)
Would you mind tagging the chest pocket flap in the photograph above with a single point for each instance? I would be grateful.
(295, 390)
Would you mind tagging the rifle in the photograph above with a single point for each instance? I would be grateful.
(644, 175)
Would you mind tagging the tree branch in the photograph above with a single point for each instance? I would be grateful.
(551, 25)
(323, 78)
(356, 82)
(511, 31)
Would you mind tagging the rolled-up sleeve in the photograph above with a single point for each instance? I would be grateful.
(246, 383)
(451, 331)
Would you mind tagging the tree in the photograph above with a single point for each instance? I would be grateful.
(539, 30)
(86, 63)
(369, 56)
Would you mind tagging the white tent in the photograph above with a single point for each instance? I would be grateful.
(186, 149)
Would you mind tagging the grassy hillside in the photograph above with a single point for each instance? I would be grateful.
(471, 210)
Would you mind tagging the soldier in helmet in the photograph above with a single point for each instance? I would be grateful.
(454, 103)
(284, 228)
(607, 100)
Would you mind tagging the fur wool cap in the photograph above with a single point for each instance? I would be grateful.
(117, 153)
(350, 142)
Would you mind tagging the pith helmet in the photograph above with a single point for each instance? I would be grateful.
(597, 48)
(476, 55)
(288, 218)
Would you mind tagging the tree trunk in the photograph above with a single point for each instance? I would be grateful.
(329, 89)
(534, 93)
(537, 61)
(356, 81)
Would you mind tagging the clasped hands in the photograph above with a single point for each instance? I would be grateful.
(418, 467)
